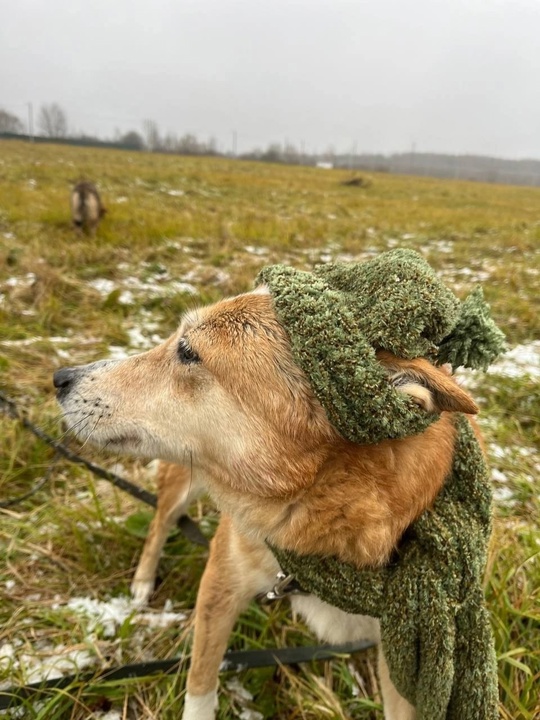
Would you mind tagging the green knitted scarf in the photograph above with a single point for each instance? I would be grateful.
(434, 626)
(435, 629)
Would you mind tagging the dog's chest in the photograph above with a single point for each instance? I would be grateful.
(333, 625)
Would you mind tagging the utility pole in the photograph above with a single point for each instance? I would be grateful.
(30, 122)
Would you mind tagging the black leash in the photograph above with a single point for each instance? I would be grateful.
(235, 661)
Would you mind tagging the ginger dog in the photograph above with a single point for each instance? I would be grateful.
(224, 397)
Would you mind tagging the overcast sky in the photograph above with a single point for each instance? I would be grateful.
(382, 75)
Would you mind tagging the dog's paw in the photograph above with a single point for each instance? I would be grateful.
(141, 591)
(200, 707)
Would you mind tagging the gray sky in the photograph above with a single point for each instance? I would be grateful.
(445, 75)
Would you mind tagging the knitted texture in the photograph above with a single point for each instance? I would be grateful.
(475, 340)
(435, 629)
(339, 315)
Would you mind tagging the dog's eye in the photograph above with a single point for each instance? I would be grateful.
(186, 354)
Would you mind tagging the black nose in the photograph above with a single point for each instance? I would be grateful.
(63, 378)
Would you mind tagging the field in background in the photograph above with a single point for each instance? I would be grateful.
(181, 232)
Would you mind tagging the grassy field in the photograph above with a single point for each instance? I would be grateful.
(182, 232)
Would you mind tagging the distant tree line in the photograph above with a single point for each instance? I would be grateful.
(52, 124)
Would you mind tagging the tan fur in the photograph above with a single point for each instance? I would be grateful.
(245, 421)
(175, 490)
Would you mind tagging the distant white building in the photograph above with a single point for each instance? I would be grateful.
(325, 165)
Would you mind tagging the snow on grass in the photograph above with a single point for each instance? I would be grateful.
(38, 660)
(102, 285)
(159, 285)
(109, 615)
(253, 250)
(242, 697)
(519, 361)
(46, 663)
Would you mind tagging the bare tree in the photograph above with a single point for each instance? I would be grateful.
(151, 132)
(52, 121)
(169, 143)
(10, 123)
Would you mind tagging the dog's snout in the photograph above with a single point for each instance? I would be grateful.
(63, 379)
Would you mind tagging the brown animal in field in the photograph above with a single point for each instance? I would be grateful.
(86, 207)
(224, 398)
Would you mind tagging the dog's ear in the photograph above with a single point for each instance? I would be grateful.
(433, 388)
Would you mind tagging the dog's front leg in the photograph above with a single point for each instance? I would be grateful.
(176, 490)
(238, 569)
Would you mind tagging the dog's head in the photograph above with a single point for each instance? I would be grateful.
(225, 395)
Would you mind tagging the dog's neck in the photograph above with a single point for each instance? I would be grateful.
(354, 501)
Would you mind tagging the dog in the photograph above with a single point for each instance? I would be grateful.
(86, 207)
(224, 397)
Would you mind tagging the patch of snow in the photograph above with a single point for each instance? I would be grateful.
(158, 287)
(120, 200)
(55, 666)
(473, 275)
(236, 687)
(496, 451)
(55, 340)
(175, 193)
(442, 246)
(126, 297)
(251, 715)
(9, 235)
(117, 352)
(102, 285)
(26, 281)
(48, 662)
(503, 495)
(519, 361)
(7, 656)
(111, 614)
(140, 341)
(253, 250)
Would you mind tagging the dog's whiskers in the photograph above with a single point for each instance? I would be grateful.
(100, 417)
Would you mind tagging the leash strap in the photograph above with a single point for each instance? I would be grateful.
(235, 661)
